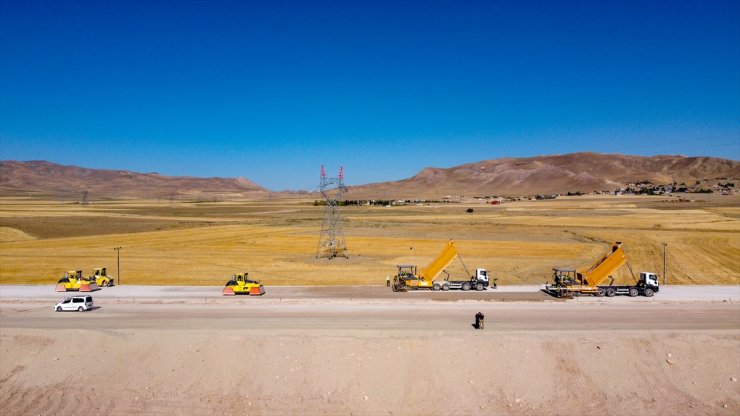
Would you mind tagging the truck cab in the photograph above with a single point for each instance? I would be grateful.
(648, 284)
(482, 275)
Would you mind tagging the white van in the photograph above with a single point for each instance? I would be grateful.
(75, 303)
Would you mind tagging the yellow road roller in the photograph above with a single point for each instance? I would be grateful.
(240, 284)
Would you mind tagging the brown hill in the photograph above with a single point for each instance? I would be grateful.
(584, 172)
(47, 178)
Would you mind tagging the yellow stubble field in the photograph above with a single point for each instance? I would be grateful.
(276, 240)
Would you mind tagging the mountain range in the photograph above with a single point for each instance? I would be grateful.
(555, 174)
(46, 178)
(574, 172)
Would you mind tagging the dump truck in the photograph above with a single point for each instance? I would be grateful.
(240, 284)
(478, 281)
(409, 277)
(571, 282)
(101, 277)
(73, 281)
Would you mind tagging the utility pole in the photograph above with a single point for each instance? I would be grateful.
(118, 262)
(664, 261)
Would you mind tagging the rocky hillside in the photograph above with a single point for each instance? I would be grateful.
(557, 174)
(45, 178)
(575, 172)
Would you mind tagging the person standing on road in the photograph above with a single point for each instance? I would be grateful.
(479, 320)
(387, 280)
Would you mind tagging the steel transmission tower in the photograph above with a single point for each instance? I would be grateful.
(331, 239)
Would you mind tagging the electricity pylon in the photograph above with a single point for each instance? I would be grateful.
(331, 239)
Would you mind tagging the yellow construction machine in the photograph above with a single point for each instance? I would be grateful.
(240, 284)
(101, 277)
(591, 281)
(407, 277)
(73, 281)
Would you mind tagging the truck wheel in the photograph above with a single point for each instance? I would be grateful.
(649, 292)
(446, 288)
(600, 292)
(610, 292)
(633, 292)
(436, 287)
(466, 286)
(479, 287)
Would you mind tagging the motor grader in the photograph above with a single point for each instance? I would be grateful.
(101, 277)
(240, 284)
(73, 281)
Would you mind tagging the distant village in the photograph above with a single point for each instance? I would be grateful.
(645, 187)
(721, 186)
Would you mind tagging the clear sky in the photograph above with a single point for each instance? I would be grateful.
(270, 90)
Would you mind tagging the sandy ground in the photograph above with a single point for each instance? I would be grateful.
(366, 350)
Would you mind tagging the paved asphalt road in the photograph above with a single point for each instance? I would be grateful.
(29, 293)
(354, 308)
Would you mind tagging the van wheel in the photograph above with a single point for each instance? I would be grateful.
(649, 292)
(633, 292)
(59, 308)
(80, 309)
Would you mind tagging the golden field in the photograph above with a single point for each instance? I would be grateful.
(276, 240)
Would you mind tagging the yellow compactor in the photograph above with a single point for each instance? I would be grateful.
(101, 277)
(73, 281)
(240, 284)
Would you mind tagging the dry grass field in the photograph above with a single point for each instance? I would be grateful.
(276, 240)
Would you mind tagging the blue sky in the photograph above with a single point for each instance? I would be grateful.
(270, 90)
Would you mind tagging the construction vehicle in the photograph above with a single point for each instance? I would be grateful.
(240, 284)
(73, 281)
(571, 282)
(100, 275)
(410, 278)
(478, 281)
